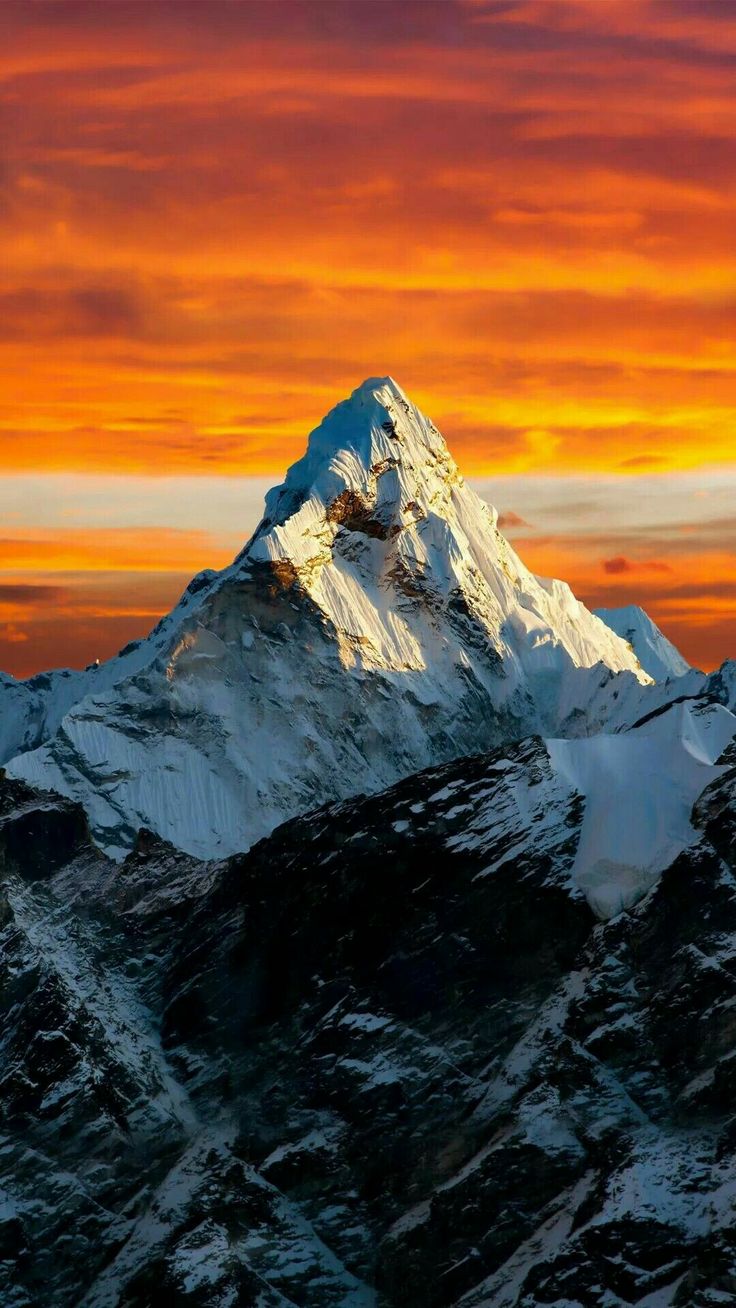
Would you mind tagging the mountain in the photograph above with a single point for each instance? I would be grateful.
(390, 1056)
(463, 1041)
(656, 654)
(376, 623)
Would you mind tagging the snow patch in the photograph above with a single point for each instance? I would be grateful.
(639, 788)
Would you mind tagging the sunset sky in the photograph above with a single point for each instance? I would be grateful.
(218, 218)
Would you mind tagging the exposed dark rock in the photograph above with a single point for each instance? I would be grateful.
(353, 513)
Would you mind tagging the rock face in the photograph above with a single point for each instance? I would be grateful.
(376, 623)
(387, 1057)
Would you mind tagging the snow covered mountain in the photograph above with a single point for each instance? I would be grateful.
(376, 623)
(466, 1042)
(656, 654)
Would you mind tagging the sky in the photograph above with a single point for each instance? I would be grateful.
(218, 218)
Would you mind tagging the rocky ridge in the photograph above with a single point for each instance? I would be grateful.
(389, 1056)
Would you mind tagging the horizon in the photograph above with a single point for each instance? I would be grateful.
(213, 231)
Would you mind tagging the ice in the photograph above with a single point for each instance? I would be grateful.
(640, 787)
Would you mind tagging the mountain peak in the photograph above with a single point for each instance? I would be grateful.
(657, 655)
(372, 385)
(375, 451)
(384, 535)
(372, 424)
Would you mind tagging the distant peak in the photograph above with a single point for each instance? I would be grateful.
(656, 654)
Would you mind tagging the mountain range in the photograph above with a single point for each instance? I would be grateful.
(366, 929)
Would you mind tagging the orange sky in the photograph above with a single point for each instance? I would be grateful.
(218, 218)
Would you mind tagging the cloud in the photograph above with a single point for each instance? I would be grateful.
(620, 564)
(31, 594)
(32, 313)
(512, 520)
(643, 461)
(13, 634)
(221, 225)
(105, 550)
(705, 591)
(96, 615)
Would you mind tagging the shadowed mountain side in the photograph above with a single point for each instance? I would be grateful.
(388, 1056)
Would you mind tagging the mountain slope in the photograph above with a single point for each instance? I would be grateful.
(656, 654)
(388, 1056)
(33, 709)
(377, 622)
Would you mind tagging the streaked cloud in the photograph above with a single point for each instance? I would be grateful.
(30, 593)
(619, 564)
(510, 520)
(213, 226)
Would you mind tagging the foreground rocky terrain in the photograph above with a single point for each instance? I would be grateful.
(389, 1056)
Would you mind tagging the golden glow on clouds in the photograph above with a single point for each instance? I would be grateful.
(114, 549)
(217, 219)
